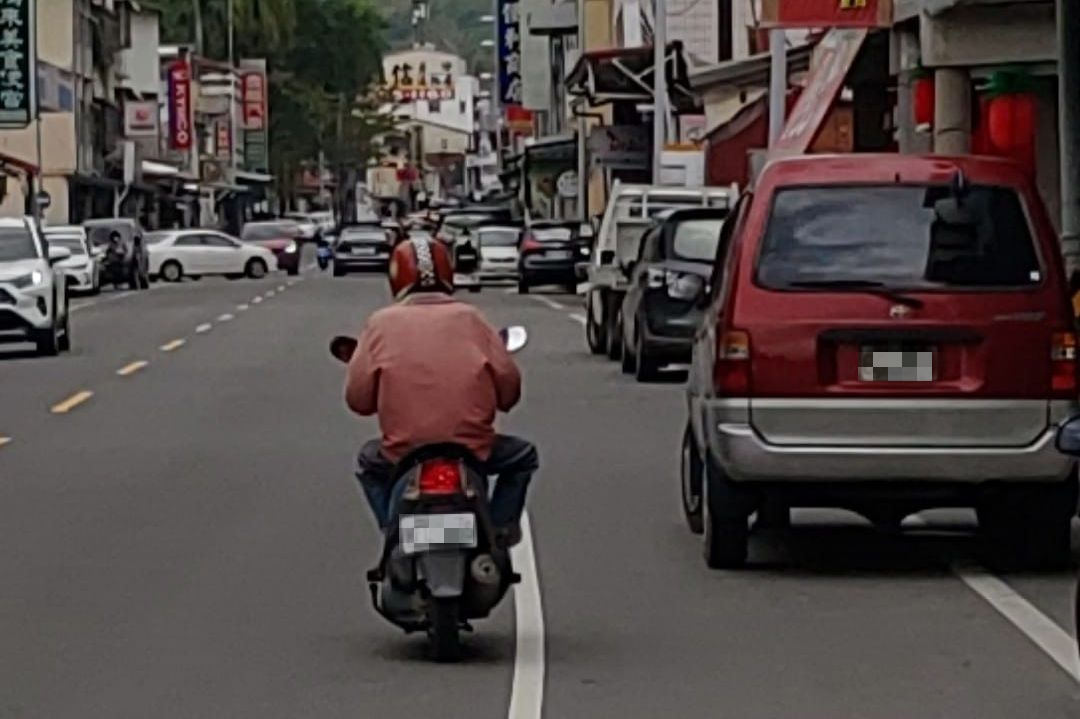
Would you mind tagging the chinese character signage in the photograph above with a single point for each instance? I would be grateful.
(254, 94)
(180, 105)
(509, 45)
(407, 82)
(826, 13)
(223, 139)
(18, 63)
(255, 119)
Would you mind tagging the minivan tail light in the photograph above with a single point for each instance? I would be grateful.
(732, 372)
(440, 477)
(1063, 364)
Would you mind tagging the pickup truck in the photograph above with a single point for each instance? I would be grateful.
(630, 212)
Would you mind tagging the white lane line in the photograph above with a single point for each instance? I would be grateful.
(256, 300)
(527, 689)
(243, 308)
(100, 301)
(204, 328)
(548, 301)
(269, 294)
(281, 288)
(1051, 639)
(71, 402)
(580, 319)
(226, 317)
(174, 345)
(1054, 641)
(130, 369)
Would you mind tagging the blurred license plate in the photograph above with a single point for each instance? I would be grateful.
(558, 254)
(421, 532)
(368, 251)
(896, 363)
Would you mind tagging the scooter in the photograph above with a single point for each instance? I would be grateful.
(323, 255)
(443, 564)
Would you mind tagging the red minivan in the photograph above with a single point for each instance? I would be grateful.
(886, 334)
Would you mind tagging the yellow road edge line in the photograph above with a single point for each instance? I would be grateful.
(173, 345)
(130, 369)
(72, 402)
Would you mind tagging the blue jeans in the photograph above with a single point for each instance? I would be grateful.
(512, 459)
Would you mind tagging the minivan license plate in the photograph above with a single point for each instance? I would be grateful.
(422, 532)
(887, 363)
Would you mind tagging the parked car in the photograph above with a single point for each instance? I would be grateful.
(886, 334)
(125, 260)
(662, 307)
(498, 252)
(83, 268)
(361, 247)
(310, 229)
(175, 254)
(282, 237)
(548, 254)
(33, 289)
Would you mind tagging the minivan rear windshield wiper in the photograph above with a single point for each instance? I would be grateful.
(870, 286)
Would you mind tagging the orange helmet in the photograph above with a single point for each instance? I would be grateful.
(420, 265)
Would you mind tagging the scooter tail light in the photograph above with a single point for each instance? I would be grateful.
(1063, 364)
(440, 477)
(530, 243)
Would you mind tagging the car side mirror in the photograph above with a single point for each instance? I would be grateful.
(1068, 437)
(58, 254)
(342, 348)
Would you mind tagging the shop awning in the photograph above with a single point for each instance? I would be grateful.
(556, 148)
(752, 71)
(835, 55)
(626, 74)
(23, 166)
(159, 169)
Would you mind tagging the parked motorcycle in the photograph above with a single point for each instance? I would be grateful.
(443, 563)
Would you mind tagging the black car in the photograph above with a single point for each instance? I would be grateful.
(361, 247)
(124, 260)
(549, 253)
(663, 305)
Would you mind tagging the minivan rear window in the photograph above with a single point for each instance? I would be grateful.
(898, 236)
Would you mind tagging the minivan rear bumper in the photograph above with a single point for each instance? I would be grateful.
(745, 456)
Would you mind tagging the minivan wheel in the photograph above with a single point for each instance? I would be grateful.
(725, 520)
(648, 366)
(690, 474)
(595, 335)
(1028, 528)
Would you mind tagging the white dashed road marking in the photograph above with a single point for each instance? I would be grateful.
(204, 328)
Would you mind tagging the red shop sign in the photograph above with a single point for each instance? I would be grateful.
(180, 105)
(826, 13)
(254, 95)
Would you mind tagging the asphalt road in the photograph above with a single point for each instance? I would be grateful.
(187, 541)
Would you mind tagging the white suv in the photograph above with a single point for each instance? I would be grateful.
(33, 291)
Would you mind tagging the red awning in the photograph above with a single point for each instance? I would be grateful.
(833, 59)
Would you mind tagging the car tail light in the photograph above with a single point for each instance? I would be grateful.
(1063, 364)
(530, 243)
(732, 372)
(440, 477)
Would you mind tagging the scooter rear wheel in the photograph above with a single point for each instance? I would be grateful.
(443, 632)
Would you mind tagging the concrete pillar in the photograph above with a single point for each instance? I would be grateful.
(1068, 24)
(952, 111)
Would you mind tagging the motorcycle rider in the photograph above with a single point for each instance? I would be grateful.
(434, 370)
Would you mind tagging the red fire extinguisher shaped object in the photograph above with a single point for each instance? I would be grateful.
(923, 92)
(1011, 123)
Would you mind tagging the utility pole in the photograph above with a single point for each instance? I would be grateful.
(1068, 25)
(660, 92)
(777, 83)
(196, 11)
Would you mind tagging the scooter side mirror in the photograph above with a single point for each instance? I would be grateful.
(514, 338)
(342, 348)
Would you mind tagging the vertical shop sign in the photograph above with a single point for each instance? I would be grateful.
(509, 42)
(180, 105)
(18, 63)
